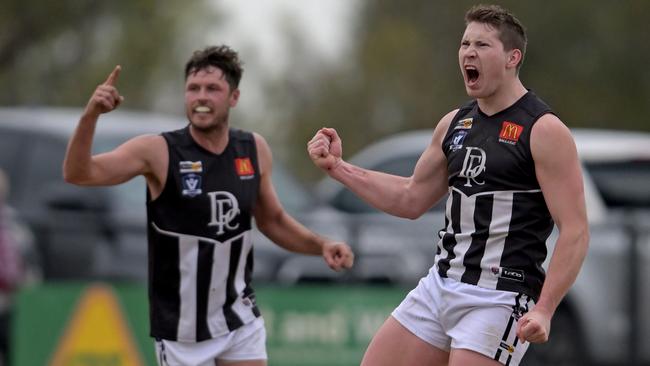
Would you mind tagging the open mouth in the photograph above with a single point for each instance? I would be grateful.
(472, 74)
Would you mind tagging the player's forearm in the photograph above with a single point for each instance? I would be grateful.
(78, 159)
(570, 251)
(386, 192)
(291, 235)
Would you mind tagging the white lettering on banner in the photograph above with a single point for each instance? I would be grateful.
(326, 328)
(225, 208)
(335, 327)
(473, 165)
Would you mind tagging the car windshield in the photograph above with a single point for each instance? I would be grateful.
(622, 184)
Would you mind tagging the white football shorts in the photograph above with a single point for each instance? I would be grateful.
(450, 314)
(247, 342)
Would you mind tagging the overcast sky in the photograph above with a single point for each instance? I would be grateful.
(259, 24)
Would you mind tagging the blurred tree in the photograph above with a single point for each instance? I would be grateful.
(402, 72)
(56, 52)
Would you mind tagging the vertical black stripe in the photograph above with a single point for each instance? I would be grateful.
(232, 319)
(248, 291)
(474, 255)
(514, 316)
(518, 311)
(448, 239)
(204, 262)
(514, 346)
(164, 289)
(525, 245)
(508, 328)
(515, 310)
(162, 360)
(498, 355)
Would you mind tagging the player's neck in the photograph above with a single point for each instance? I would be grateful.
(214, 139)
(502, 98)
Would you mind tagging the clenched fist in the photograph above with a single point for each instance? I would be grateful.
(325, 149)
(534, 327)
(338, 255)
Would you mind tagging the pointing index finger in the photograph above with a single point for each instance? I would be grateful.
(113, 76)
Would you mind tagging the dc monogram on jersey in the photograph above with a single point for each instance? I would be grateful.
(224, 208)
(200, 244)
(473, 166)
(495, 211)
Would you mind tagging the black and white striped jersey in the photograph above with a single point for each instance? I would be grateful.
(497, 221)
(199, 233)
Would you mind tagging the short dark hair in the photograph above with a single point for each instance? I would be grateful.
(511, 32)
(222, 57)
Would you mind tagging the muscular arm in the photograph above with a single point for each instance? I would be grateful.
(407, 197)
(274, 222)
(143, 155)
(117, 166)
(559, 175)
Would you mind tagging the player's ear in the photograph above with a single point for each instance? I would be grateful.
(514, 58)
(234, 98)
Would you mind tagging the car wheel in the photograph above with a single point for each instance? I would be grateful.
(565, 346)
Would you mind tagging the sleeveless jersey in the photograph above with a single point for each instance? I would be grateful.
(496, 221)
(199, 234)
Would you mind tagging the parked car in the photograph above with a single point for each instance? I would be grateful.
(93, 233)
(595, 321)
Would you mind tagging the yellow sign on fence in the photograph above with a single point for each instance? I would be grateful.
(97, 334)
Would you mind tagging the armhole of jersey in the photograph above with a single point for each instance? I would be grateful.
(166, 137)
(464, 109)
(244, 138)
(256, 162)
(532, 125)
(455, 118)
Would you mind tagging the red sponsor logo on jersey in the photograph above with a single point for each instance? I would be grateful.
(244, 167)
(510, 132)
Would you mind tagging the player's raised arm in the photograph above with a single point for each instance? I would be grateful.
(407, 197)
(117, 166)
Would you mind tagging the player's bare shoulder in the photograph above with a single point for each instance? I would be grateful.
(549, 125)
(152, 151)
(550, 133)
(148, 147)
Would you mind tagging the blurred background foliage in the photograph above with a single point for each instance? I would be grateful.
(586, 58)
(56, 52)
